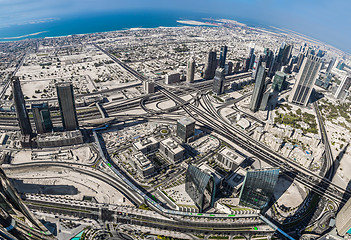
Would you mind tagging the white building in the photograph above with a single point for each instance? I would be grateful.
(172, 150)
(229, 159)
(147, 145)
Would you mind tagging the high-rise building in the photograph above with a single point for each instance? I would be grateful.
(258, 88)
(149, 87)
(201, 187)
(251, 57)
(279, 81)
(331, 64)
(185, 128)
(306, 78)
(67, 105)
(15, 216)
(211, 65)
(300, 59)
(343, 219)
(230, 68)
(190, 70)
(223, 56)
(42, 119)
(258, 188)
(287, 54)
(340, 65)
(343, 88)
(20, 106)
(218, 82)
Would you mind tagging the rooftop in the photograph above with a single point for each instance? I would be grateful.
(186, 121)
(232, 155)
(172, 145)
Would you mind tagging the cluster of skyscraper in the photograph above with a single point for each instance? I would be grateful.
(41, 111)
(268, 66)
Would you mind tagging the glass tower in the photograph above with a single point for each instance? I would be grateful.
(20, 106)
(67, 106)
(258, 188)
(42, 119)
(201, 187)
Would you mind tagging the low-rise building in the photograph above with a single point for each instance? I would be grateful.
(59, 139)
(143, 165)
(229, 159)
(172, 78)
(172, 150)
(147, 145)
(234, 181)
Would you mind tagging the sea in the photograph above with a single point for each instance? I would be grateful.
(103, 22)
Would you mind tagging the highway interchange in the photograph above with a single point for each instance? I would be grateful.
(202, 110)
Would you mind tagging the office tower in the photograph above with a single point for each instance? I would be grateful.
(218, 82)
(259, 87)
(201, 187)
(279, 81)
(230, 68)
(306, 78)
(185, 128)
(149, 87)
(343, 88)
(258, 188)
(331, 64)
(301, 57)
(211, 65)
(223, 56)
(190, 70)
(67, 105)
(251, 57)
(321, 53)
(286, 54)
(15, 217)
(268, 57)
(340, 65)
(20, 106)
(237, 67)
(42, 119)
(343, 219)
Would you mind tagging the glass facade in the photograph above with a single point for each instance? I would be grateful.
(42, 119)
(258, 187)
(185, 128)
(201, 187)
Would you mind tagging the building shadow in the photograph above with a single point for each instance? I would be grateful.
(43, 189)
(315, 96)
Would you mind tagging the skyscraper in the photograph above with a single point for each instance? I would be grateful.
(278, 81)
(331, 64)
(259, 87)
(251, 57)
(258, 187)
(218, 82)
(190, 70)
(301, 57)
(223, 56)
(343, 88)
(67, 105)
(306, 78)
(185, 128)
(20, 106)
(211, 65)
(343, 219)
(42, 119)
(201, 187)
(15, 216)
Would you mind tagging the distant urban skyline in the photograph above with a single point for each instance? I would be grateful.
(321, 19)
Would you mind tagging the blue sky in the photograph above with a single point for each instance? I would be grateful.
(326, 20)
